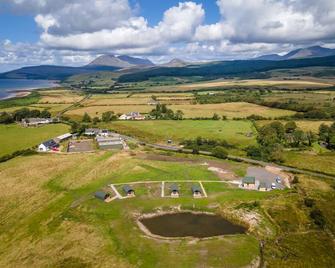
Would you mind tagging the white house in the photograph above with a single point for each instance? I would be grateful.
(48, 146)
(132, 116)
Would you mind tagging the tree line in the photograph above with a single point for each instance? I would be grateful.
(18, 115)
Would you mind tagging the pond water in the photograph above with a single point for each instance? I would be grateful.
(190, 224)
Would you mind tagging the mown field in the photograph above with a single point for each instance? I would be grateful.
(162, 130)
(230, 110)
(97, 106)
(50, 218)
(14, 137)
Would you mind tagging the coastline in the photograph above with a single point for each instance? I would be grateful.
(23, 92)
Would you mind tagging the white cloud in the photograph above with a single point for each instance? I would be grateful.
(178, 25)
(75, 30)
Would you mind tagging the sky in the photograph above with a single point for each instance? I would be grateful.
(74, 32)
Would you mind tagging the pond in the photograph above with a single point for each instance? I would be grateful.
(190, 224)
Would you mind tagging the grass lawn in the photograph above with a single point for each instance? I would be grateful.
(14, 137)
(49, 215)
(160, 131)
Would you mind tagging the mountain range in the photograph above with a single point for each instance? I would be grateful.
(301, 53)
(138, 68)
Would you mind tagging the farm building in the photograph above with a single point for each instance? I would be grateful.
(91, 131)
(104, 133)
(49, 145)
(132, 116)
(102, 196)
(110, 143)
(263, 187)
(63, 137)
(174, 190)
(196, 191)
(129, 191)
(33, 122)
(249, 183)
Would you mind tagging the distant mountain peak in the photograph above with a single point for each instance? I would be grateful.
(175, 63)
(123, 61)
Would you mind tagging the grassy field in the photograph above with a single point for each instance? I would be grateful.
(96, 106)
(14, 137)
(231, 110)
(49, 216)
(290, 84)
(161, 131)
(59, 96)
(311, 161)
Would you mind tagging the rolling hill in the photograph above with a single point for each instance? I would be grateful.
(227, 68)
(301, 53)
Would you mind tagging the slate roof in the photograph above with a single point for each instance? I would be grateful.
(249, 180)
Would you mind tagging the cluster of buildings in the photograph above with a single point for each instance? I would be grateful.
(130, 192)
(250, 183)
(53, 144)
(105, 139)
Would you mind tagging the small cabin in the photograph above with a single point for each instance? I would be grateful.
(129, 191)
(102, 196)
(263, 187)
(249, 183)
(196, 191)
(174, 190)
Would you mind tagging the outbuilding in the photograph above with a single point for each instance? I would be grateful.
(128, 190)
(249, 182)
(102, 196)
(196, 191)
(174, 190)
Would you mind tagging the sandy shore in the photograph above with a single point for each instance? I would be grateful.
(17, 94)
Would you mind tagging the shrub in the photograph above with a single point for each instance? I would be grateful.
(318, 217)
(220, 152)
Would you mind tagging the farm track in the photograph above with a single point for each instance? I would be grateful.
(74, 105)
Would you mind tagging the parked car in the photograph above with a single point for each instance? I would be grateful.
(278, 180)
(273, 186)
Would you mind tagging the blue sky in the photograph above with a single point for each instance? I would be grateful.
(73, 32)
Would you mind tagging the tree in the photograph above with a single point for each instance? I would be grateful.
(290, 127)
(45, 114)
(179, 115)
(6, 118)
(96, 120)
(220, 152)
(324, 132)
(35, 113)
(86, 118)
(216, 116)
(298, 137)
(107, 116)
(20, 114)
